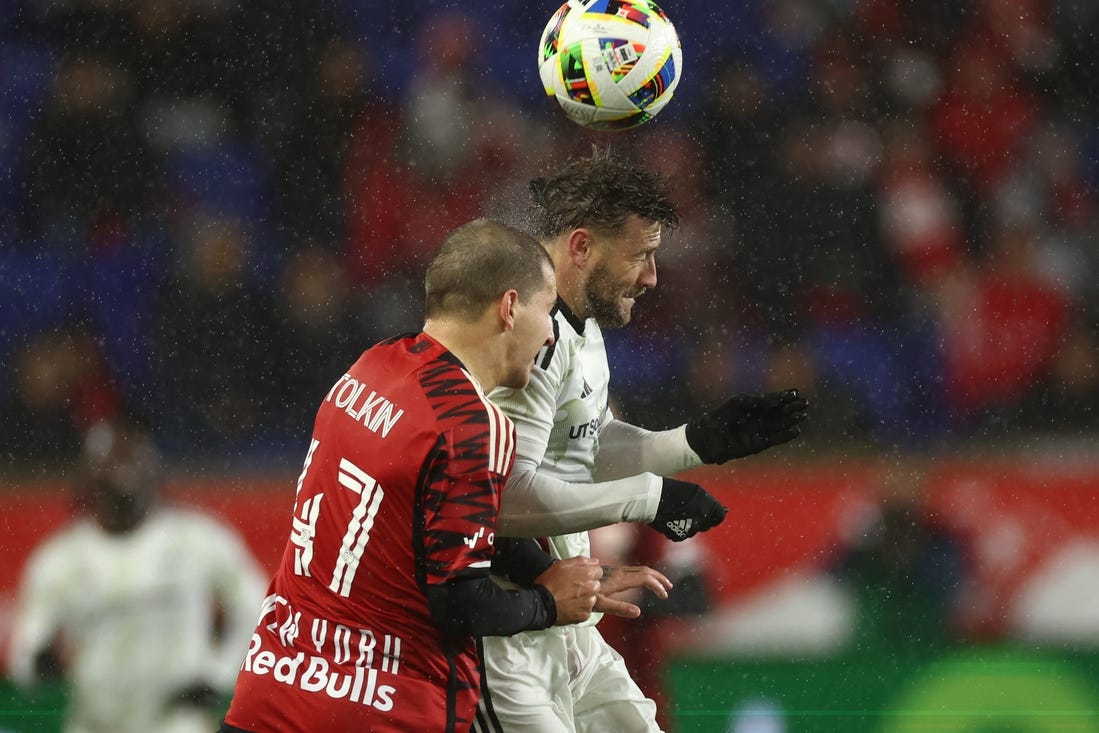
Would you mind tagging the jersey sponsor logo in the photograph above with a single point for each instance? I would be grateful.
(584, 430)
(315, 674)
(471, 542)
(331, 649)
(376, 413)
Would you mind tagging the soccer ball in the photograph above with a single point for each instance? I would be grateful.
(611, 64)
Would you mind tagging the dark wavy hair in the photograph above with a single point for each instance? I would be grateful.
(599, 191)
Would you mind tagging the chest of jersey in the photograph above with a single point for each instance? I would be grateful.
(144, 582)
(581, 403)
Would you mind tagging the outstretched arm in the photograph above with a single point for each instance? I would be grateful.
(537, 505)
(626, 449)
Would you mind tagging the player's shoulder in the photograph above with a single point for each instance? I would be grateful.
(58, 553)
(455, 397)
(72, 534)
(192, 522)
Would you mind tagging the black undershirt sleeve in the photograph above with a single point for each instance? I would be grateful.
(519, 560)
(480, 607)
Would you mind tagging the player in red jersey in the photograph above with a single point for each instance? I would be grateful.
(369, 623)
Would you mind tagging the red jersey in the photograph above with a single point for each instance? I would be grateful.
(400, 491)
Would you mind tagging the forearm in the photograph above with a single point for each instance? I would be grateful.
(239, 623)
(519, 561)
(626, 449)
(536, 505)
(480, 607)
(30, 646)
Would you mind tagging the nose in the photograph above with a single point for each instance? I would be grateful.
(648, 274)
(550, 338)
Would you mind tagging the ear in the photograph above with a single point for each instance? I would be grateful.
(580, 243)
(509, 301)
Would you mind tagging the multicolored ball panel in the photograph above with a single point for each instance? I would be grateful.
(611, 64)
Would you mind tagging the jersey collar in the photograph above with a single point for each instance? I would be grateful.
(576, 323)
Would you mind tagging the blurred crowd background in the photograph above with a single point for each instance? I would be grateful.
(210, 207)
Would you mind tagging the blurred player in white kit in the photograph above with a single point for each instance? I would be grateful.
(145, 608)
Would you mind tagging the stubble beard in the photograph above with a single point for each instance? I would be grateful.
(605, 301)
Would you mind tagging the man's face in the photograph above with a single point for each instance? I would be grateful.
(624, 267)
(533, 330)
(120, 477)
(120, 508)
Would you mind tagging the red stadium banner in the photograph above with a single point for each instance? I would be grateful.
(1031, 532)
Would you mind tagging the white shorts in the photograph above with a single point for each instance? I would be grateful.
(564, 679)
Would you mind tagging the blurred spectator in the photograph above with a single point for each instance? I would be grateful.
(184, 49)
(1066, 399)
(207, 340)
(145, 609)
(433, 157)
(738, 130)
(905, 569)
(1049, 193)
(60, 387)
(983, 118)
(328, 147)
(89, 175)
(918, 216)
(1002, 325)
(278, 48)
(315, 334)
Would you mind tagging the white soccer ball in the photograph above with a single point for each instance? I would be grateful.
(611, 64)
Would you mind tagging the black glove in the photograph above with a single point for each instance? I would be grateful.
(747, 424)
(686, 509)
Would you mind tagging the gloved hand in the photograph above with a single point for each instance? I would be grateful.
(747, 424)
(686, 509)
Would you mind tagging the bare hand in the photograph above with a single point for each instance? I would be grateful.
(574, 584)
(617, 580)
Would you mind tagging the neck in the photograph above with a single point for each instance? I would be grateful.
(570, 281)
(472, 347)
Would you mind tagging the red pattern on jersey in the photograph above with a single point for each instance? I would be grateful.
(400, 490)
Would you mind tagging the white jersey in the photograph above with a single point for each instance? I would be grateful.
(560, 414)
(576, 466)
(136, 613)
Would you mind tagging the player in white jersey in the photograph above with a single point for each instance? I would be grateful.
(146, 609)
(578, 468)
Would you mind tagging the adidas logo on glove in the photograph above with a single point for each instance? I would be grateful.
(681, 527)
